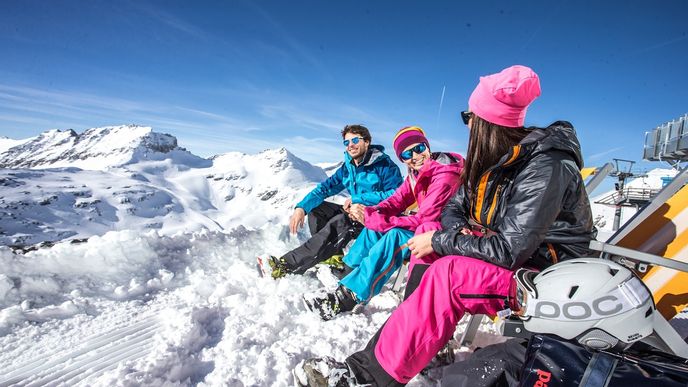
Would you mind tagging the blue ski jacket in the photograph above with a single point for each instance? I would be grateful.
(375, 179)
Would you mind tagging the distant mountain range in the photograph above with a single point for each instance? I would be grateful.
(61, 185)
(64, 185)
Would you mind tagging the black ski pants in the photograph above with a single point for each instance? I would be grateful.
(331, 230)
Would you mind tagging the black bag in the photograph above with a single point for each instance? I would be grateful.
(553, 362)
(497, 365)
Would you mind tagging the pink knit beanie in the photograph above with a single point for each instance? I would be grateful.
(408, 136)
(503, 98)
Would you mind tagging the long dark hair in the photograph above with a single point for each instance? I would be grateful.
(487, 144)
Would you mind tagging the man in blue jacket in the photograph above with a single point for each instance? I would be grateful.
(368, 174)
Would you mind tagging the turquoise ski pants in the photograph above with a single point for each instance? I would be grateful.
(375, 256)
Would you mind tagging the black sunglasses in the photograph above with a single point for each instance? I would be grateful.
(465, 116)
(408, 154)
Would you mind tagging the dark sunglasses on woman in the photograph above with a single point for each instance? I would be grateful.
(418, 149)
(465, 116)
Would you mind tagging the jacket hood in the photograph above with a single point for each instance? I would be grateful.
(559, 135)
(440, 162)
(375, 154)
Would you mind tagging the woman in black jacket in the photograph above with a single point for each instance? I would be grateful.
(523, 204)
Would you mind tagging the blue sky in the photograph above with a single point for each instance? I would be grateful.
(249, 75)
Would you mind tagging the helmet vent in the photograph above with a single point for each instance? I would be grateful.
(613, 271)
(648, 312)
(573, 291)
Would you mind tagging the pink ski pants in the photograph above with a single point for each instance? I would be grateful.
(424, 323)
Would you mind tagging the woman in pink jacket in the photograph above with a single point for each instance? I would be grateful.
(381, 248)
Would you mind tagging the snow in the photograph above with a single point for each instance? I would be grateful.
(146, 272)
(128, 308)
(7, 143)
(149, 275)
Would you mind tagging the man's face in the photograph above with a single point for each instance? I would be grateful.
(358, 150)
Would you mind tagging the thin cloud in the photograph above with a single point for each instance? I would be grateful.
(171, 21)
(299, 118)
(315, 150)
(36, 122)
(600, 155)
(67, 99)
(551, 16)
(69, 103)
(292, 43)
(202, 131)
(660, 45)
(318, 114)
(220, 119)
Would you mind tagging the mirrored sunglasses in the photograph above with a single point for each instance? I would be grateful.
(418, 149)
(354, 141)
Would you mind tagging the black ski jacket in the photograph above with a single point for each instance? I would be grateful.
(531, 207)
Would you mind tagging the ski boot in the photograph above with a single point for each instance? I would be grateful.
(323, 372)
(335, 261)
(272, 266)
(337, 266)
(329, 305)
(443, 358)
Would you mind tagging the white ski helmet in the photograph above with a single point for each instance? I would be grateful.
(595, 301)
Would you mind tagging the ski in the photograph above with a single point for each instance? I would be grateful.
(260, 265)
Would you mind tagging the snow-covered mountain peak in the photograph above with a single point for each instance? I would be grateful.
(274, 165)
(7, 143)
(127, 136)
(94, 149)
(54, 136)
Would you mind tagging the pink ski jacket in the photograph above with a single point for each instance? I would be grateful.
(430, 188)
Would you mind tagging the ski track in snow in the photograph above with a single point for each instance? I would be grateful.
(98, 350)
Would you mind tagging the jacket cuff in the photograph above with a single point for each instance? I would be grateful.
(436, 242)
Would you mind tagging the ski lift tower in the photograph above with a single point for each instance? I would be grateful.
(668, 143)
(622, 171)
(623, 196)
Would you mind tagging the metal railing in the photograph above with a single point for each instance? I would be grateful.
(667, 142)
(631, 197)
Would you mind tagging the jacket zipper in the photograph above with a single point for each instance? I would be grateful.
(494, 204)
(486, 296)
(482, 187)
(553, 253)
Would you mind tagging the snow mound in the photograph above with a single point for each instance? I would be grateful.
(130, 309)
